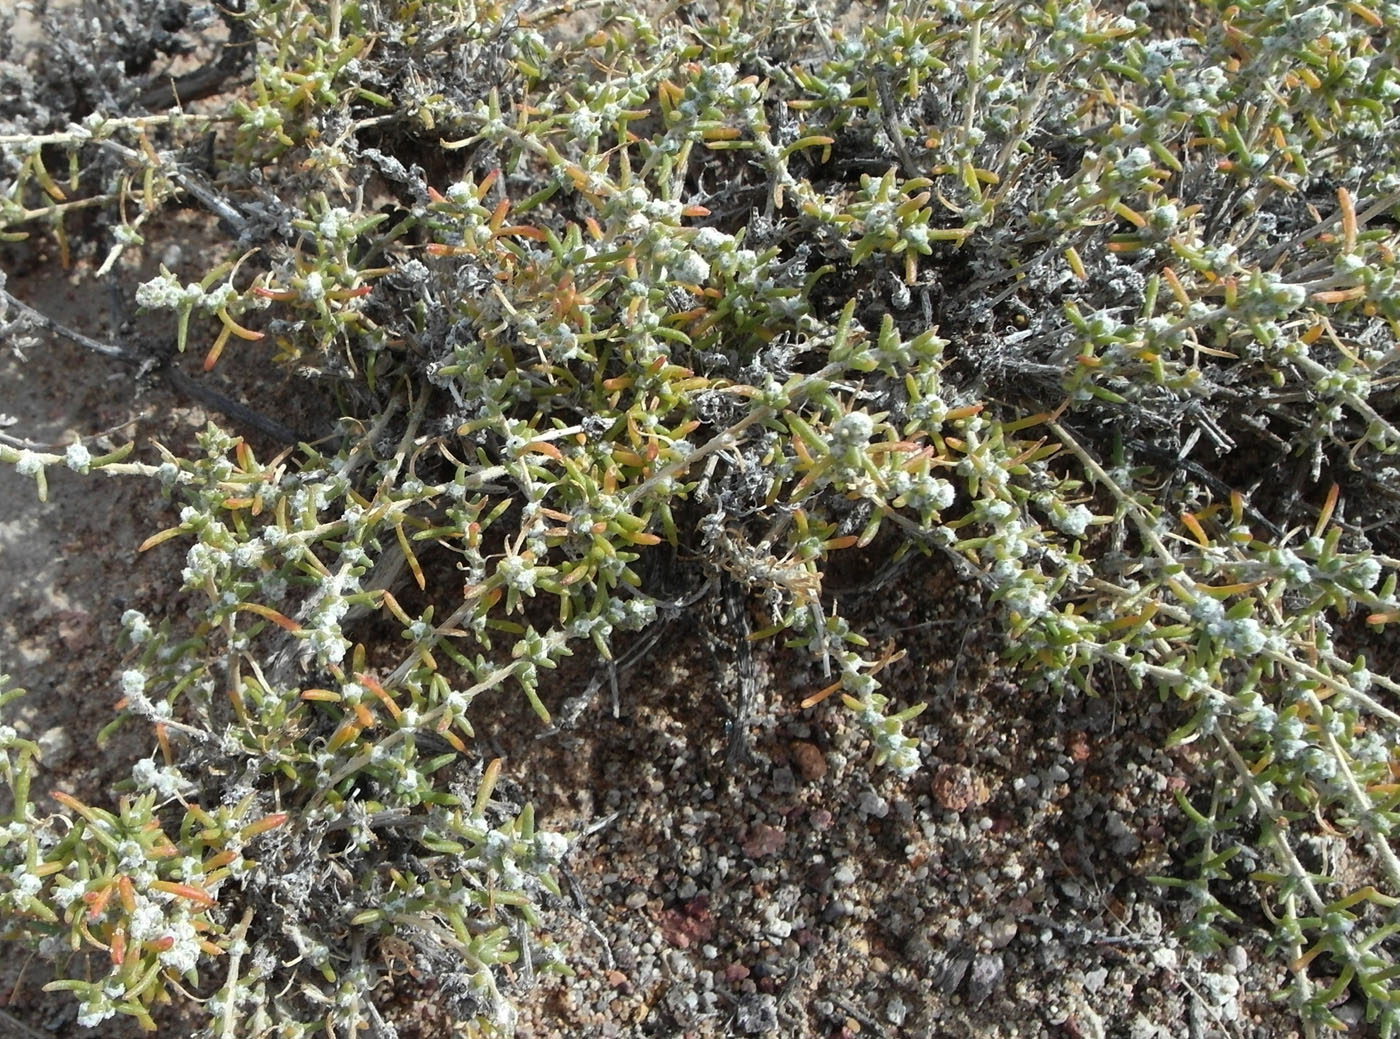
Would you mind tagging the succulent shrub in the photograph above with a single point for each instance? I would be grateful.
(1098, 306)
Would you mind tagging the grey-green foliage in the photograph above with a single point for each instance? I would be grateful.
(1036, 288)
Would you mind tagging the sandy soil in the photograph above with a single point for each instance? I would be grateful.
(738, 870)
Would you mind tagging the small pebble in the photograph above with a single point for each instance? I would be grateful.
(1000, 932)
(957, 788)
(895, 1011)
(763, 840)
(871, 803)
(757, 1015)
(986, 973)
(810, 761)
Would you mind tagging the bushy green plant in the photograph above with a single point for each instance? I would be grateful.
(1035, 287)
